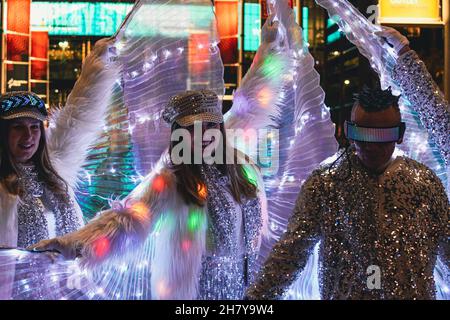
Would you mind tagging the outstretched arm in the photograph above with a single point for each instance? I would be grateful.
(257, 100)
(385, 49)
(291, 252)
(419, 88)
(120, 229)
(441, 209)
(74, 128)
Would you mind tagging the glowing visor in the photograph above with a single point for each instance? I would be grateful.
(367, 134)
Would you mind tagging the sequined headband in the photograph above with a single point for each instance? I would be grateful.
(380, 135)
(18, 104)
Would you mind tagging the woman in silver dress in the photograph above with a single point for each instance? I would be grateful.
(204, 220)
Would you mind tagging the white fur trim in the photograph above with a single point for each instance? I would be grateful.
(75, 128)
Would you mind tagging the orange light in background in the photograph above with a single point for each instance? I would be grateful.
(199, 55)
(410, 12)
(39, 44)
(39, 49)
(39, 70)
(227, 18)
(18, 16)
(17, 48)
(264, 12)
(18, 20)
(227, 25)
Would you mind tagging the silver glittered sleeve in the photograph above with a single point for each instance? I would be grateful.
(291, 252)
(426, 98)
(445, 252)
(442, 210)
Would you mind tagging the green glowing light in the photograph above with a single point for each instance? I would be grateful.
(250, 175)
(195, 220)
(273, 66)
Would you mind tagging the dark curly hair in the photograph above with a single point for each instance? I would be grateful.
(375, 99)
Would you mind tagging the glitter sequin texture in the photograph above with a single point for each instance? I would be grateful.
(225, 274)
(192, 103)
(397, 221)
(32, 225)
(428, 101)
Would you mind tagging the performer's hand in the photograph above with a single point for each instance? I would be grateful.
(395, 39)
(100, 56)
(67, 249)
(270, 30)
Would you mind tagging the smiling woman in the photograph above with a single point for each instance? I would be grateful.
(26, 172)
(38, 167)
(23, 138)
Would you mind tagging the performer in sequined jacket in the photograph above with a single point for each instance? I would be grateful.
(204, 221)
(382, 221)
(38, 166)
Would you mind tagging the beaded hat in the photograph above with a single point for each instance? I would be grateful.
(190, 106)
(22, 104)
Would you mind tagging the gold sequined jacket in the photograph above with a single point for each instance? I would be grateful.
(380, 235)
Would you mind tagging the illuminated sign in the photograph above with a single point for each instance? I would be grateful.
(104, 18)
(410, 11)
(15, 69)
(79, 18)
(305, 23)
(333, 37)
(14, 85)
(252, 26)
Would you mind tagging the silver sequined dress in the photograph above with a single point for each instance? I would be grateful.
(233, 232)
(397, 222)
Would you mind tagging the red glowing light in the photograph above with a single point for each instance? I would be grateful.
(186, 245)
(158, 184)
(101, 247)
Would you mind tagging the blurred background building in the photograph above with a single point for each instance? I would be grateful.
(43, 43)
